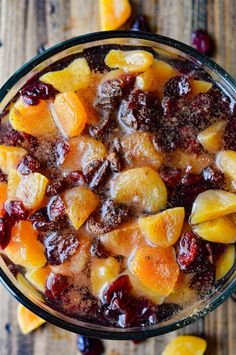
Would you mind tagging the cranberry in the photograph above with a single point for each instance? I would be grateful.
(170, 176)
(16, 210)
(122, 284)
(5, 233)
(202, 41)
(39, 215)
(59, 247)
(56, 208)
(56, 285)
(140, 24)
(62, 148)
(33, 93)
(109, 95)
(98, 250)
(141, 111)
(70, 180)
(177, 86)
(193, 254)
(90, 346)
(104, 128)
(213, 176)
(28, 165)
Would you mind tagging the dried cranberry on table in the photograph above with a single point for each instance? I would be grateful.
(202, 41)
(140, 24)
(90, 346)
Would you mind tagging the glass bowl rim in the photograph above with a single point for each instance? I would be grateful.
(119, 334)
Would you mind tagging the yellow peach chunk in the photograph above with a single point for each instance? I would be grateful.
(103, 272)
(27, 320)
(155, 268)
(186, 345)
(80, 203)
(211, 137)
(182, 294)
(199, 86)
(220, 230)
(13, 183)
(31, 190)
(225, 262)
(75, 76)
(155, 77)
(139, 150)
(24, 248)
(70, 114)
(38, 277)
(226, 162)
(163, 229)
(77, 262)
(83, 150)
(134, 61)
(26, 287)
(142, 187)
(10, 157)
(193, 163)
(3, 196)
(123, 240)
(113, 13)
(32, 119)
(212, 204)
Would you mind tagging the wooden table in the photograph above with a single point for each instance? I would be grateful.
(26, 26)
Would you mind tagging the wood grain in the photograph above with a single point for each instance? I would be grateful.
(28, 25)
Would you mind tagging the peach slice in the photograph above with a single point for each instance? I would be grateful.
(75, 76)
(199, 86)
(163, 229)
(31, 190)
(123, 240)
(155, 268)
(226, 162)
(3, 196)
(211, 137)
(77, 262)
(27, 320)
(142, 187)
(186, 345)
(70, 114)
(190, 162)
(13, 183)
(225, 262)
(83, 150)
(24, 248)
(38, 277)
(220, 230)
(134, 61)
(139, 150)
(155, 77)
(212, 204)
(113, 13)
(10, 157)
(80, 203)
(32, 119)
(103, 272)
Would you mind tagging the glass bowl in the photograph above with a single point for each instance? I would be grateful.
(31, 299)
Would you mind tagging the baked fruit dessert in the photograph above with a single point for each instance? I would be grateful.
(118, 185)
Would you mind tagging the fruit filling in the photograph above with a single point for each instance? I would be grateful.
(118, 186)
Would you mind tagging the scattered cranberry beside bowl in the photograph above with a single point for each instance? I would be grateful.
(117, 191)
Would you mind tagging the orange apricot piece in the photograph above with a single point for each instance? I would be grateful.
(155, 268)
(24, 248)
(103, 272)
(10, 157)
(32, 119)
(27, 320)
(163, 229)
(113, 13)
(199, 87)
(211, 137)
(3, 196)
(70, 114)
(186, 345)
